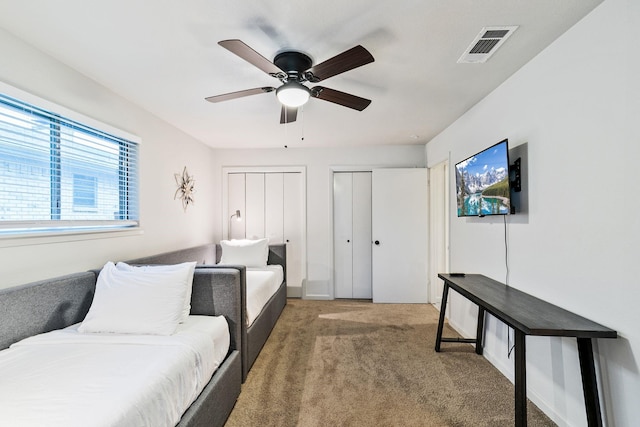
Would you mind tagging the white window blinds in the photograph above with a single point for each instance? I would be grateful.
(57, 174)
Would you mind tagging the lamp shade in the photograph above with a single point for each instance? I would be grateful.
(293, 94)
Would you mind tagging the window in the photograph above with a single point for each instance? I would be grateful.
(57, 174)
(84, 191)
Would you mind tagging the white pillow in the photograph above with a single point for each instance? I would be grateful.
(186, 267)
(136, 302)
(250, 253)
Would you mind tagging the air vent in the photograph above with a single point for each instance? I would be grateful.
(486, 43)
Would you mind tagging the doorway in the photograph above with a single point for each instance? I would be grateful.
(438, 228)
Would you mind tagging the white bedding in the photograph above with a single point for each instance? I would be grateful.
(66, 378)
(262, 283)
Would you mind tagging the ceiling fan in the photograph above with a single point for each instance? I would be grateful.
(294, 68)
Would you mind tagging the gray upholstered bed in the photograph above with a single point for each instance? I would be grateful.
(208, 256)
(255, 336)
(56, 303)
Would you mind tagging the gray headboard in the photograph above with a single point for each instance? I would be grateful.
(56, 303)
(203, 255)
(43, 306)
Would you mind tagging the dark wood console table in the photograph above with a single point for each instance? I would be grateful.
(527, 315)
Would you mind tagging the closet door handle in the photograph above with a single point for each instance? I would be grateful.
(377, 242)
(348, 241)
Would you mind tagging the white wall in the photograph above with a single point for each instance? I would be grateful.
(576, 106)
(318, 164)
(164, 151)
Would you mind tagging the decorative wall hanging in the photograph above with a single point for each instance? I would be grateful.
(186, 188)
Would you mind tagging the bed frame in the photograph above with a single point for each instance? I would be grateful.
(56, 303)
(207, 257)
(257, 334)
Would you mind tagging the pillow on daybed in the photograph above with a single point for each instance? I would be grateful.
(187, 268)
(250, 253)
(137, 301)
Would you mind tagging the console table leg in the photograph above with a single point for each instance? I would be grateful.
(520, 380)
(480, 330)
(589, 384)
(443, 308)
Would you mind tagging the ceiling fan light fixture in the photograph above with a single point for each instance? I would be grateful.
(293, 94)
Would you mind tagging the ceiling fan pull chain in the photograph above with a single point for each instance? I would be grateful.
(302, 120)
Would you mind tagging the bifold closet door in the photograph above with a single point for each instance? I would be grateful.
(352, 234)
(271, 205)
(293, 226)
(362, 235)
(342, 234)
(254, 216)
(274, 207)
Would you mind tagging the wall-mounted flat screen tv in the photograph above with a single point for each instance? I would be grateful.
(482, 182)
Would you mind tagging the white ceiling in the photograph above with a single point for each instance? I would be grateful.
(163, 56)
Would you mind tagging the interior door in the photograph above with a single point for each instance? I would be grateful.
(400, 234)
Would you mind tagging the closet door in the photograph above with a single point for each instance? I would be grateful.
(362, 235)
(236, 201)
(352, 234)
(342, 234)
(254, 200)
(293, 202)
(274, 207)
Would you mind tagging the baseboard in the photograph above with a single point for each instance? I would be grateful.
(294, 291)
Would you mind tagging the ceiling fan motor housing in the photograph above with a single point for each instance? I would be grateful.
(293, 63)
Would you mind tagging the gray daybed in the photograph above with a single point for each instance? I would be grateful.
(56, 303)
(208, 256)
(257, 334)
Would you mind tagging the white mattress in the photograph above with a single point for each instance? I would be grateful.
(262, 283)
(66, 378)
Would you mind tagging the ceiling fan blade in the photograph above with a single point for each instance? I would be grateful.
(239, 94)
(251, 56)
(341, 98)
(288, 114)
(347, 60)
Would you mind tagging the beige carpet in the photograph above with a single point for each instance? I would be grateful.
(354, 363)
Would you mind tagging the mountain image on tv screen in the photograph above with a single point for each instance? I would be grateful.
(482, 182)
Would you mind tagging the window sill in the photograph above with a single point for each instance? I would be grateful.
(63, 236)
